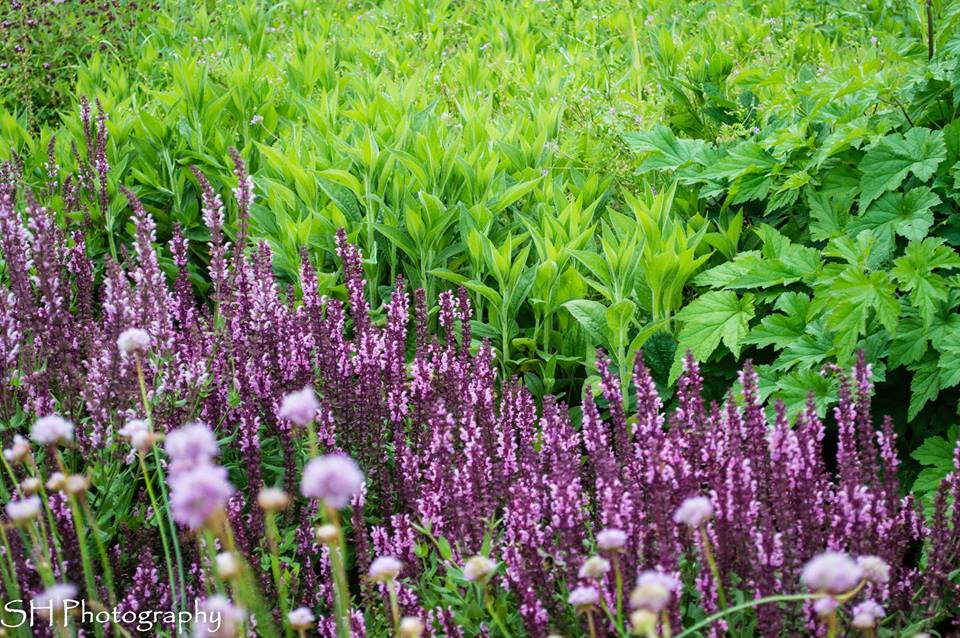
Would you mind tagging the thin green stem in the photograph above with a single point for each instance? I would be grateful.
(12, 586)
(590, 624)
(85, 557)
(709, 620)
(272, 533)
(394, 606)
(488, 603)
(160, 525)
(712, 563)
(101, 549)
(341, 588)
(163, 489)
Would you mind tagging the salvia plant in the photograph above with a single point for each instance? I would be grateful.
(277, 461)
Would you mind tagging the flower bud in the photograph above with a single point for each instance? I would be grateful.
(273, 499)
(327, 534)
(76, 484)
(385, 569)
(56, 482)
(643, 621)
(31, 486)
(594, 568)
(411, 627)
(19, 451)
(301, 619)
(478, 568)
(24, 511)
(227, 566)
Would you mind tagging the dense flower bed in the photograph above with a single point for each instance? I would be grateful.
(486, 513)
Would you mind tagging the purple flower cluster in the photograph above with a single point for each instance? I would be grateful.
(443, 444)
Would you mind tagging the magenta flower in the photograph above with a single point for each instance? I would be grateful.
(300, 406)
(133, 340)
(51, 430)
(335, 479)
(833, 572)
(197, 494)
(694, 511)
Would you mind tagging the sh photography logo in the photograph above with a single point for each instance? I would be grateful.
(60, 612)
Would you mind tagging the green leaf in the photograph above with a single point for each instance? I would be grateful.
(888, 163)
(666, 151)
(592, 316)
(910, 342)
(914, 273)
(906, 214)
(714, 317)
(925, 385)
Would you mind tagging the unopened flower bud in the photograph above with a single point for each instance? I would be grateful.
(411, 627)
(643, 621)
(56, 482)
(22, 512)
(327, 534)
(227, 566)
(301, 619)
(19, 451)
(76, 484)
(31, 486)
(594, 568)
(478, 568)
(384, 569)
(273, 499)
(133, 340)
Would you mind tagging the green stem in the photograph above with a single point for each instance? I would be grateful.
(394, 606)
(271, 524)
(714, 569)
(13, 587)
(163, 489)
(85, 558)
(618, 579)
(102, 549)
(341, 588)
(709, 620)
(488, 602)
(161, 526)
(590, 624)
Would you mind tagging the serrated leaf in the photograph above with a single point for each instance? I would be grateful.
(925, 385)
(888, 163)
(666, 151)
(713, 317)
(906, 214)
